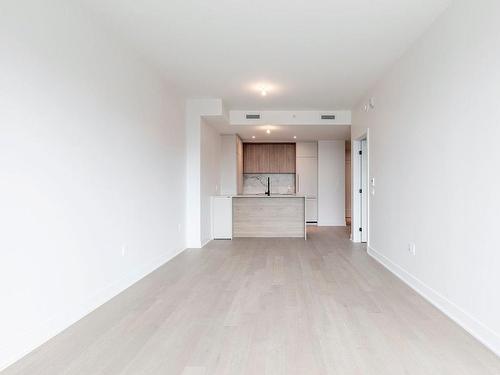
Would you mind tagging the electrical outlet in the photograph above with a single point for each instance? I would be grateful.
(411, 248)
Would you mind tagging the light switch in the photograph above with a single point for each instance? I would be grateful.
(372, 181)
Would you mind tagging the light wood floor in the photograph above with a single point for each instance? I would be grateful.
(265, 306)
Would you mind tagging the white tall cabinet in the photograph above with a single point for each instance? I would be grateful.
(231, 167)
(331, 183)
(231, 183)
(222, 217)
(306, 177)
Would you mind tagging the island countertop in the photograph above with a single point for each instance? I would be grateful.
(277, 215)
(268, 196)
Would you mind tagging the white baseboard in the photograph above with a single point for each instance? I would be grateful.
(203, 243)
(32, 339)
(199, 244)
(481, 332)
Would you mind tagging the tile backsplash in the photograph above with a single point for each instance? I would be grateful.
(257, 183)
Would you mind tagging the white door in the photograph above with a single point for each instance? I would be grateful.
(363, 158)
(306, 177)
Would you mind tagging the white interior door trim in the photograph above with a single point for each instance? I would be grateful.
(356, 219)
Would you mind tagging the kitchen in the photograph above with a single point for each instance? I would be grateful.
(271, 189)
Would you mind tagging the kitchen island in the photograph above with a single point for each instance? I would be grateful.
(269, 216)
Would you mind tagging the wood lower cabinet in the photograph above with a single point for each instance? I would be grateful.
(269, 157)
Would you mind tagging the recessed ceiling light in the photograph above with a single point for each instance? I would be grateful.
(264, 88)
(253, 136)
(294, 137)
(268, 131)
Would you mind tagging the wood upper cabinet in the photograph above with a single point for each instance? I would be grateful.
(250, 154)
(263, 157)
(287, 158)
(239, 165)
(269, 158)
(275, 157)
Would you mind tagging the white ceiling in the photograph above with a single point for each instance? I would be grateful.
(316, 54)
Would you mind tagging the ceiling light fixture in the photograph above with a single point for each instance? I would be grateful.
(294, 137)
(263, 88)
(253, 136)
(268, 131)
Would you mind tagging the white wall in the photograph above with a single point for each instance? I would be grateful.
(210, 176)
(434, 152)
(196, 110)
(91, 149)
(331, 183)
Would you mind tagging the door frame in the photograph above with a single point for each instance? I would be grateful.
(356, 216)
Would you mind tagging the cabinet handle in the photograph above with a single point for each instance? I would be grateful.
(298, 183)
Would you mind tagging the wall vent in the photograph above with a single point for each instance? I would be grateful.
(328, 117)
(250, 116)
